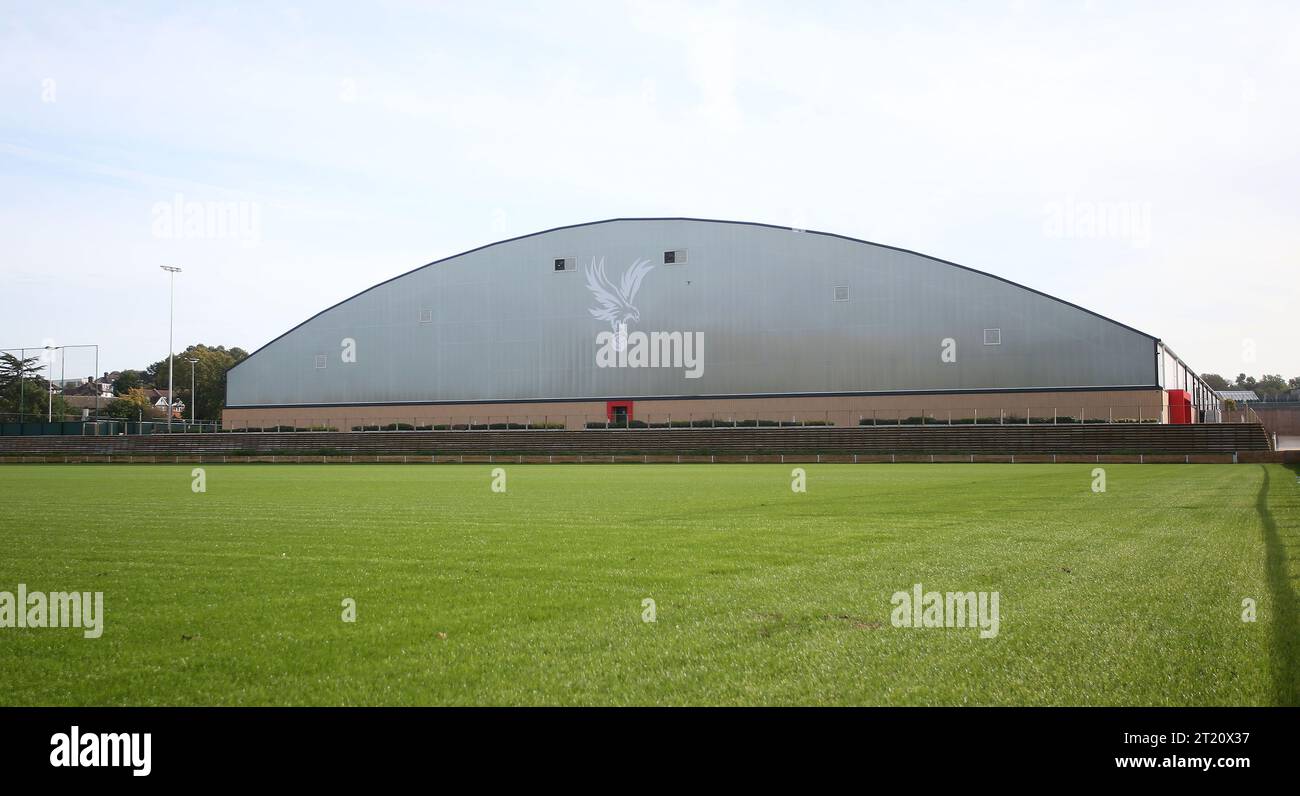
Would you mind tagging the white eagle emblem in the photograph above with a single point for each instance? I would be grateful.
(616, 301)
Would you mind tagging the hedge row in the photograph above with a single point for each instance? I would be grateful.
(1007, 420)
(710, 424)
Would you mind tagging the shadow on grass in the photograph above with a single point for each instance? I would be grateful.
(1286, 667)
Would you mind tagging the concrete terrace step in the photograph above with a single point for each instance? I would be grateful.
(1120, 438)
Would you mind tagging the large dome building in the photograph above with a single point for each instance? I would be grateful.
(672, 319)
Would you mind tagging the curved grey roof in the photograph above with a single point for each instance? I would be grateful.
(780, 311)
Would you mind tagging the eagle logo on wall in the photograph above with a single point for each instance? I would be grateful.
(616, 302)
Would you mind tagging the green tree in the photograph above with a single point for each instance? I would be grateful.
(209, 377)
(14, 373)
(1270, 385)
(126, 381)
(23, 389)
(11, 367)
(1215, 381)
(131, 406)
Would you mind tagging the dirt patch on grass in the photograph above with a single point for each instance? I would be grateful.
(856, 622)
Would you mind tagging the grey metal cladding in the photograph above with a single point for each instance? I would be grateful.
(507, 327)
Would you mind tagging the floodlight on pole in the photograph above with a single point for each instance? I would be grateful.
(171, 326)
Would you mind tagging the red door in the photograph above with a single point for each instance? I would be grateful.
(618, 413)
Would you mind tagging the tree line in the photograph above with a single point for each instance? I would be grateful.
(23, 387)
(1269, 387)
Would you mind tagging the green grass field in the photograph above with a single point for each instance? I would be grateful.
(763, 596)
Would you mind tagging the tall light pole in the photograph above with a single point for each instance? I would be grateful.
(22, 383)
(96, 345)
(193, 400)
(171, 325)
(49, 409)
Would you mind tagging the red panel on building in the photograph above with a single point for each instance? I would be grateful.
(620, 411)
(1180, 407)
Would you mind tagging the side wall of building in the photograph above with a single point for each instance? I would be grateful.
(1104, 405)
(776, 311)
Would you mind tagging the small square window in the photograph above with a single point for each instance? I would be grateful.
(563, 264)
(320, 361)
(841, 293)
(992, 337)
(426, 315)
(675, 257)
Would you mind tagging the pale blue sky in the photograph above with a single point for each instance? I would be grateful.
(372, 138)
